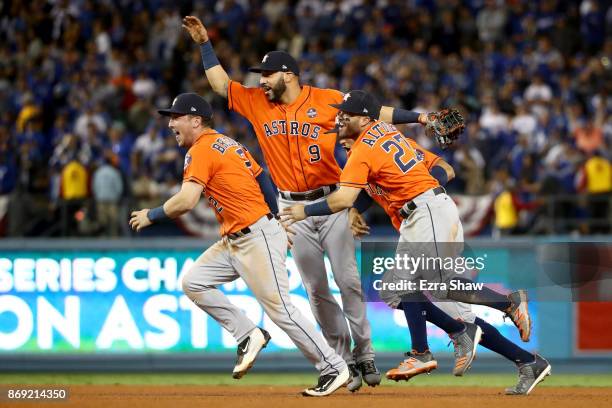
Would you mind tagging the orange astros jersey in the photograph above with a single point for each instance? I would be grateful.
(299, 154)
(227, 172)
(390, 166)
(378, 194)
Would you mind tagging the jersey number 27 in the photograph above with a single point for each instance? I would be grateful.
(401, 148)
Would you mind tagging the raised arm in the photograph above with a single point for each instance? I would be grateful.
(398, 116)
(216, 75)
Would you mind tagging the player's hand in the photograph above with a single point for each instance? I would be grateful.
(196, 29)
(292, 214)
(290, 233)
(139, 219)
(357, 224)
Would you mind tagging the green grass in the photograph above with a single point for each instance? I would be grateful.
(293, 379)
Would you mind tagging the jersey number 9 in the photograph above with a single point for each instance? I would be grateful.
(315, 153)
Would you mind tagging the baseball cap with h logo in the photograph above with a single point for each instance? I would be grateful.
(275, 61)
(359, 102)
(189, 104)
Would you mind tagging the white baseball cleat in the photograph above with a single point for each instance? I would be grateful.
(248, 350)
(328, 384)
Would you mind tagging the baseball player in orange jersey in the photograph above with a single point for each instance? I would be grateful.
(290, 121)
(253, 245)
(383, 157)
(530, 366)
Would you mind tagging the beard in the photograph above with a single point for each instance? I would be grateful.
(277, 90)
(347, 131)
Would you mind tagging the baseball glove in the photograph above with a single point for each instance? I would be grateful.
(444, 126)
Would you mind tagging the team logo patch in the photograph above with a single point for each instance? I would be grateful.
(187, 161)
(312, 112)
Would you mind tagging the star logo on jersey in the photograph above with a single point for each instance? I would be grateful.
(348, 95)
(311, 113)
(187, 161)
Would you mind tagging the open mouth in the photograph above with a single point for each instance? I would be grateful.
(267, 90)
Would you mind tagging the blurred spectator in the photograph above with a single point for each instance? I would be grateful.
(523, 121)
(588, 132)
(139, 115)
(143, 87)
(147, 146)
(508, 206)
(8, 178)
(538, 94)
(470, 168)
(89, 116)
(491, 21)
(120, 146)
(28, 110)
(145, 191)
(74, 190)
(492, 120)
(596, 179)
(593, 26)
(107, 189)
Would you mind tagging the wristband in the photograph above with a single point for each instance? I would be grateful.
(404, 116)
(320, 208)
(363, 201)
(209, 58)
(439, 174)
(157, 214)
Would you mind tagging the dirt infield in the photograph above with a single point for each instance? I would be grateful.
(108, 396)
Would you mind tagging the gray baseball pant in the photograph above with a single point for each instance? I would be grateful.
(314, 237)
(259, 259)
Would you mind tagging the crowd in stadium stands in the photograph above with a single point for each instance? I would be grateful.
(81, 143)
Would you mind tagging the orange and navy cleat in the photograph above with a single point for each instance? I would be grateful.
(413, 365)
(518, 312)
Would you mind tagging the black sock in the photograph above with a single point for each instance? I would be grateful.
(494, 341)
(436, 316)
(415, 317)
(485, 296)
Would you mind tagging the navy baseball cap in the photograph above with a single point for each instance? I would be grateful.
(360, 103)
(275, 61)
(189, 104)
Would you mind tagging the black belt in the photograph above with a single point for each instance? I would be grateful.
(311, 195)
(410, 206)
(245, 230)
